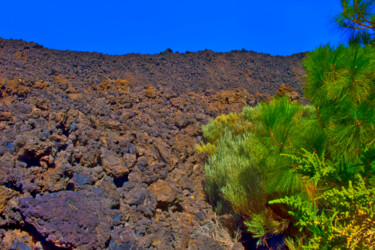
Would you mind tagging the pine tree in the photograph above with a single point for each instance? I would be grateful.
(358, 19)
(307, 172)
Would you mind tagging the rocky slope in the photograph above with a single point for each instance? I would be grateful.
(98, 151)
(197, 72)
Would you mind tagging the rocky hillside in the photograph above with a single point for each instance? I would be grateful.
(98, 151)
(185, 72)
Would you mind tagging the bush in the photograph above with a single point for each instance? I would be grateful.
(306, 172)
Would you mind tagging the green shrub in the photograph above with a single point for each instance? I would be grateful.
(342, 215)
(303, 171)
(340, 84)
(307, 172)
(216, 128)
(247, 169)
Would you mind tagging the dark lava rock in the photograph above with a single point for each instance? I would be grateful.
(80, 180)
(115, 166)
(34, 151)
(123, 238)
(89, 156)
(5, 116)
(183, 72)
(69, 219)
(140, 195)
(98, 151)
(152, 173)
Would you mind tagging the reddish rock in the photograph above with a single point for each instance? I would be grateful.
(17, 239)
(286, 89)
(129, 159)
(34, 151)
(163, 150)
(114, 166)
(163, 192)
(13, 87)
(88, 156)
(5, 195)
(150, 92)
(262, 97)
(5, 116)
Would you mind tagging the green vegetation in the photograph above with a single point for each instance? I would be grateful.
(305, 172)
(358, 19)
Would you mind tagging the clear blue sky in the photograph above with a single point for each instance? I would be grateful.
(141, 26)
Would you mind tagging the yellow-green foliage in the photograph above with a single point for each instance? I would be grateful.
(216, 128)
(229, 175)
(263, 223)
(347, 219)
(241, 161)
(207, 148)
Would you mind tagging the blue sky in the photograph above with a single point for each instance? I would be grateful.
(149, 27)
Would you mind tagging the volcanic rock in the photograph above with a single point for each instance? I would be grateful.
(98, 151)
(5, 116)
(286, 89)
(163, 193)
(69, 219)
(5, 195)
(114, 165)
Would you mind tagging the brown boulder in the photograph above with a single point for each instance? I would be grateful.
(41, 104)
(262, 97)
(5, 116)
(5, 195)
(185, 145)
(75, 96)
(163, 192)
(286, 89)
(150, 92)
(115, 85)
(17, 239)
(163, 150)
(34, 150)
(13, 87)
(21, 55)
(129, 159)
(116, 166)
